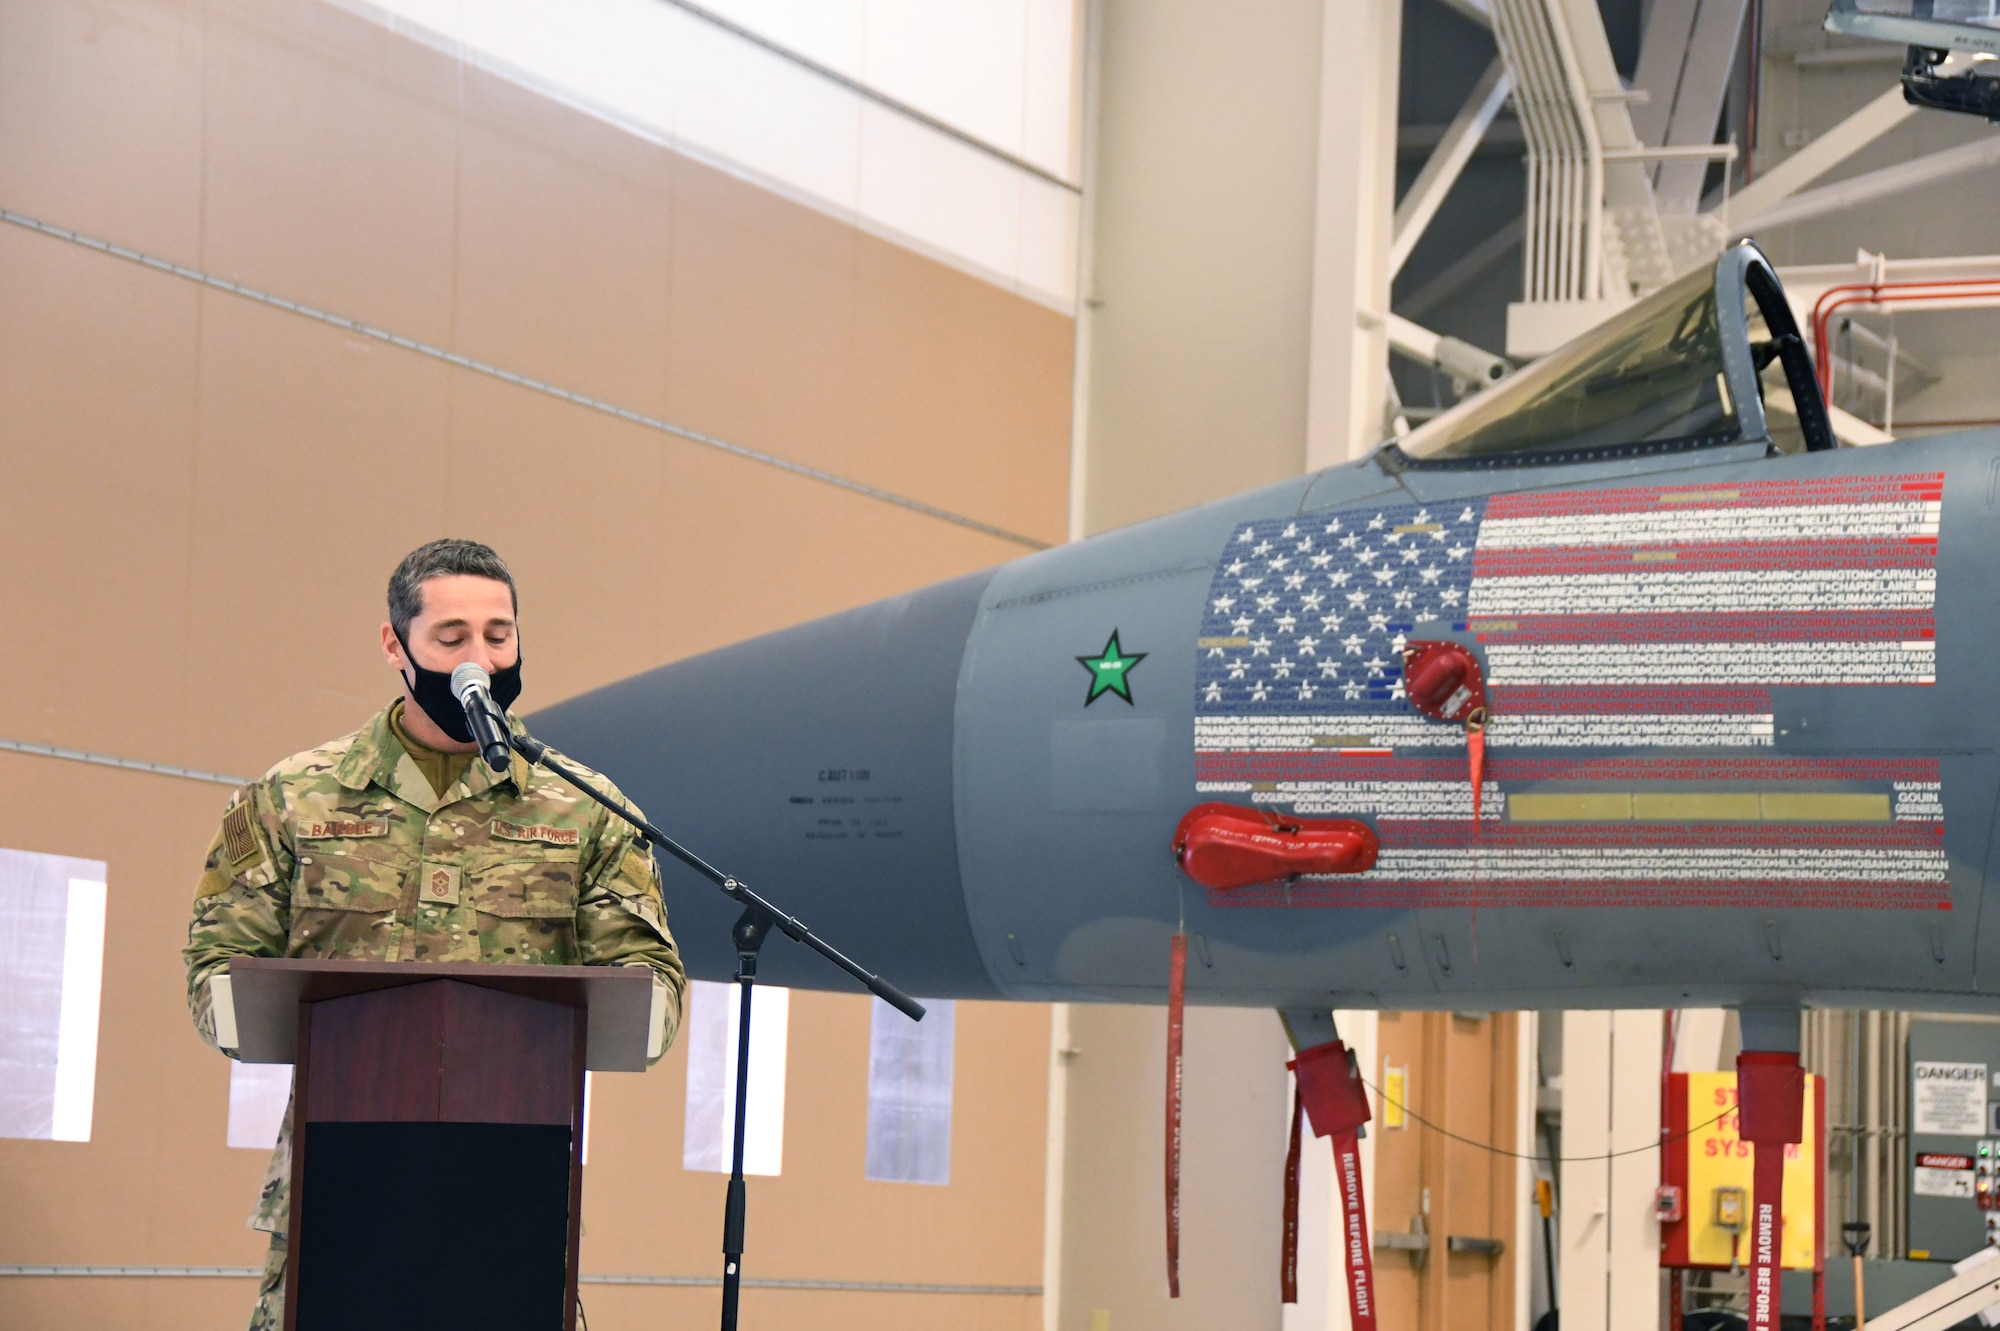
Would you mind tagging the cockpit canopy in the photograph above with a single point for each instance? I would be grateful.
(1712, 358)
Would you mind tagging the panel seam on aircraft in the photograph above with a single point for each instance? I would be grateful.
(1057, 594)
(584, 400)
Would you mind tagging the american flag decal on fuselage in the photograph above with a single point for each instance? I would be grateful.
(1652, 618)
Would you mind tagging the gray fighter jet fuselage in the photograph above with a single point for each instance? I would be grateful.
(1740, 748)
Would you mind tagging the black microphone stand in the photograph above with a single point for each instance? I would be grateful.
(758, 919)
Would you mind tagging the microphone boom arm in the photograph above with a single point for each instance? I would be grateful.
(538, 755)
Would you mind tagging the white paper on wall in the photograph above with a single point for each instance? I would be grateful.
(711, 1083)
(52, 918)
(258, 1094)
(909, 1093)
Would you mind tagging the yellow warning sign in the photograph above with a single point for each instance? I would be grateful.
(1718, 1179)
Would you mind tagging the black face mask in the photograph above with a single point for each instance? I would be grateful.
(432, 690)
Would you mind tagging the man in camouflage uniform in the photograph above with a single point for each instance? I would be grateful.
(394, 844)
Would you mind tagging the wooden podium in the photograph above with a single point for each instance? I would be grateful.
(437, 1138)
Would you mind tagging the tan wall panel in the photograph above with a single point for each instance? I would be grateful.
(206, 496)
(156, 1177)
(821, 1219)
(711, 548)
(177, 1304)
(329, 151)
(901, 394)
(205, 1305)
(317, 456)
(327, 136)
(268, 617)
(97, 420)
(125, 77)
(614, 1308)
(565, 246)
(762, 339)
(1400, 1157)
(921, 372)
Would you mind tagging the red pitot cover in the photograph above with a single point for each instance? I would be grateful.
(1224, 846)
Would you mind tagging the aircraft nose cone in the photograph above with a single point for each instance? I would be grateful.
(815, 765)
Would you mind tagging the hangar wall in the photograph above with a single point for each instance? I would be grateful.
(1226, 288)
(1199, 147)
(1199, 281)
(205, 496)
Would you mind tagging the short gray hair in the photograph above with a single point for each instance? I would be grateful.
(440, 559)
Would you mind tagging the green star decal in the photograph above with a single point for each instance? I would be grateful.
(1110, 671)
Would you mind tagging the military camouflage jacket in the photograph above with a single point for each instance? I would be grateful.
(345, 851)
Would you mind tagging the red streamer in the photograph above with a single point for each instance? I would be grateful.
(1288, 1271)
(1354, 1237)
(1475, 747)
(1767, 1178)
(1176, 998)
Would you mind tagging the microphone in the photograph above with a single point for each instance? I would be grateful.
(471, 686)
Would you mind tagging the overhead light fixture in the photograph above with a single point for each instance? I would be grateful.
(1949, 25)
(1950, 43)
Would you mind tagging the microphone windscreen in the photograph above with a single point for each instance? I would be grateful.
(468, 676)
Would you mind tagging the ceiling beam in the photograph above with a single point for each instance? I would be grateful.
(1464, 270)
(1902, 178)
(1476, 10)
(1447, 161)
(1749, 205)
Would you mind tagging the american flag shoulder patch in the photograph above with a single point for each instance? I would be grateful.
(239, 840)
(1649, 618)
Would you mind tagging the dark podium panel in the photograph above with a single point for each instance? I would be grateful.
(437, 1135)
(478, 1233)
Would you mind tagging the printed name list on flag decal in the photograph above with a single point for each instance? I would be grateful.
(1653, 617)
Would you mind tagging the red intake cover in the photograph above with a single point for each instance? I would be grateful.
(1226, 845)
(1770, 1098)
(1330, 1088)
(1443, 680)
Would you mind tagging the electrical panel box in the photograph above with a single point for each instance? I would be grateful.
(1954, 1124)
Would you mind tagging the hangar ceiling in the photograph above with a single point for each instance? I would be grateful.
(1770, 81)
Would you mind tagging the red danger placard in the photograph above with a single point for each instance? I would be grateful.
(1944, 1162)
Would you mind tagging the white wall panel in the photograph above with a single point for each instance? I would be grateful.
(1584, 1265)
(1633, 1265)
(924, 186)
(827, 32)
(1002, 71)
(762, 113)
(964, 62)
(1050, 104)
